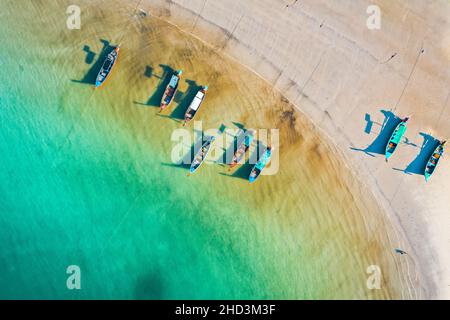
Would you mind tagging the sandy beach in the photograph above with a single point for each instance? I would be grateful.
(90, 178)
(347, 80)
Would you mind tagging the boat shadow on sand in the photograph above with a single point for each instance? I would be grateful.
(186, 160)
(378, 146)
(91, 75)
(155, 99)
(184, 99)
(417, 166)
(238, 138)
(243, 170)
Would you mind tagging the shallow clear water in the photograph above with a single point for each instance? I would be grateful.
(87, 178)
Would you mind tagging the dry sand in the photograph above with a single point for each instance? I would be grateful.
(322, 57)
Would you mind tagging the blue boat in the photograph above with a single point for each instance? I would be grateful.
(201, 154)
(107, 66)
(395, 139)
(434, 160)
(259, 166)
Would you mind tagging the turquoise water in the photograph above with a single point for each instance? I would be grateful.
(87, 179)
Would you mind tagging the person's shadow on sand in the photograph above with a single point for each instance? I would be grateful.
(417, 166)
(378, 146)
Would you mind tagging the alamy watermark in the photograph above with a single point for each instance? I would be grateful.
(186, 143)
(74, 279)
(374, 20)
(73, 21)
(374, 280)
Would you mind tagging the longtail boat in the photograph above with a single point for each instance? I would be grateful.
(171, 90)
(195, 105)
(259, 166)
(434, 160)
(201, 154)
(242, 148)
(107, 66)
(396, 137)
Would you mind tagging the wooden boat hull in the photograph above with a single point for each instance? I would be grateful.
(395, 139)
(433, 161)
(107, 67)
(171, 90)
(193, 108)
(242, 149)
(201, 154)
(259, 166)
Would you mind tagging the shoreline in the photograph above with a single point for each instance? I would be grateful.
(307, 232)
(358, 163)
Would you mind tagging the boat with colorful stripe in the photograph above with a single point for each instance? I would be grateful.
(195, 105)
(242, 148)
(434, 160)
(260, 165)
(107, 67)
(396, 137)
(171, 90)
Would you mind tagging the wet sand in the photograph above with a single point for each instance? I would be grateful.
(325, 61)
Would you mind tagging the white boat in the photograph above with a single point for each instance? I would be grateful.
(195, 105)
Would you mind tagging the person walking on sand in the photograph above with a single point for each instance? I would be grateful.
(400, 251)
(295, 1)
